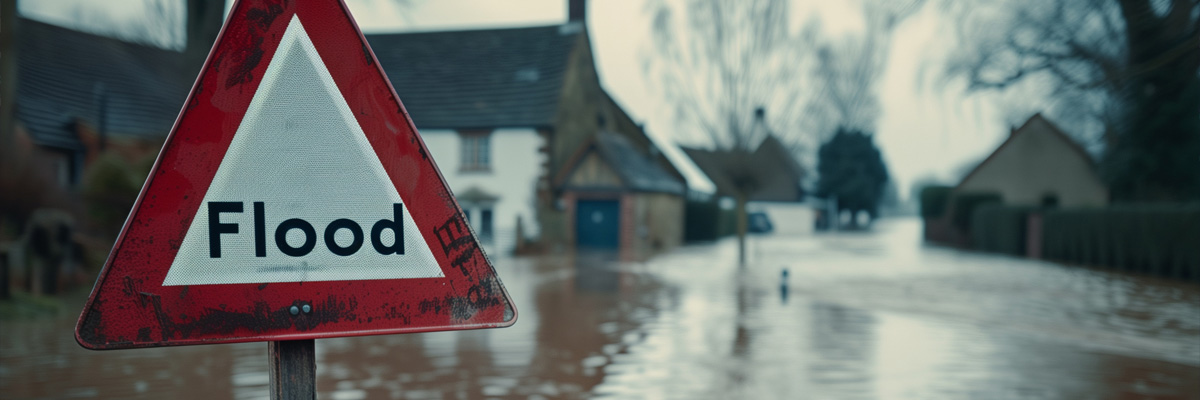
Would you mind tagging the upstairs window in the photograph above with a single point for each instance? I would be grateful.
(476, 151)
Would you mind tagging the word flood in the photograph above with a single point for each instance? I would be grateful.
(216, 228)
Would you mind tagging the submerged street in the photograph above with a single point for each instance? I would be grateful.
(862, 315)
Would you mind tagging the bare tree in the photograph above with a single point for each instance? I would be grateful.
(849, 70)
(719, 61)
(1124, 73)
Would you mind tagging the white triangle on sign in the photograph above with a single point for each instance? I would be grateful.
(300, 153)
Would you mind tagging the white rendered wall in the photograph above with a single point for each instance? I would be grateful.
(1035, 163)
(515, 167)
(787, 218)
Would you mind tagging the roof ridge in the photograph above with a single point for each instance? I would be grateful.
(1022, 130)
(466, 30)
(97, 36)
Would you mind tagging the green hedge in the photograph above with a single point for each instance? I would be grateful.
(701, 220)
(1157, 239)
(934, 199)
(110, 187)
(1000, 229)
(966, 203)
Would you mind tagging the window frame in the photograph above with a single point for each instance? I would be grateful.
(487, 223)
(475, 151)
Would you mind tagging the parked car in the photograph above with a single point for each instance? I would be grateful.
(759, 222)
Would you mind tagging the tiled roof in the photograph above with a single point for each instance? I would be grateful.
(447, 80)
(695, 178)
(712, 164)
(66, 74)
(637, 171)
(486, 78)
(779, 175)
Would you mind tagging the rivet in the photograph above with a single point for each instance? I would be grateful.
(295, 310)
(307, 308)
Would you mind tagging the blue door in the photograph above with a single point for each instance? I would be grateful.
(597, 224)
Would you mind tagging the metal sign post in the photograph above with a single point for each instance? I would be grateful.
(293, 369)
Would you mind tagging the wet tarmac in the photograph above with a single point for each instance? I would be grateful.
(859, 316)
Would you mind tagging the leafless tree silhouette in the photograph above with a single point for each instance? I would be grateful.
(717, 62)
(1124, 73)
(849, 70)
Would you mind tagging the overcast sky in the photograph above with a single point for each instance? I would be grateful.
(924, 130)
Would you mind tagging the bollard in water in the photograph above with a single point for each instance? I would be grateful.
(783, 285)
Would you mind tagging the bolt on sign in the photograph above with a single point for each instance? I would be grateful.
(292, 200)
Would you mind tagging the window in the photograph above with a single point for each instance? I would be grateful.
(485, 223)
(66, 173)
(476, 151)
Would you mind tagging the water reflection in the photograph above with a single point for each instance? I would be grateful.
(861, 316)
(843, 340)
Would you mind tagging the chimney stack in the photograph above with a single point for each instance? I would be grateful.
(204, 20)
(576, 10)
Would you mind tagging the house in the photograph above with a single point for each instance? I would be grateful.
(505, 111)
(699, 186)
(778, 187)
(778, 175)
(502, 110)
(80, 94)
(701, 209)
(70, 97)
(1038, 164)
(619, 199)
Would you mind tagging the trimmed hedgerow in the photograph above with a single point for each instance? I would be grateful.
(934, 199)
(1002, 229)
(1156, 239)
(966, 203)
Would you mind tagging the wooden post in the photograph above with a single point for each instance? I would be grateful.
(293, 369)
(4, 274)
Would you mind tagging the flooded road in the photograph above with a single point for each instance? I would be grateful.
(860, 316)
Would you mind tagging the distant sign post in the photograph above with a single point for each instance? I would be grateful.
(292, 201)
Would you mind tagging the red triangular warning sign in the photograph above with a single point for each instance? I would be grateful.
(292, 200)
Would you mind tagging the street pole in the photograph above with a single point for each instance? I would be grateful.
(293, 369)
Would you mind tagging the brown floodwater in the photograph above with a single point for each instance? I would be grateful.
(860, 316)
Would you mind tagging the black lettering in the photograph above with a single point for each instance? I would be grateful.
(310, 237)
(260, 228)
(451, 235)
(397, 227)
(332, 229)
(216, 228)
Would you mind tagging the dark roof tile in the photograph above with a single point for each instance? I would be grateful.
(454, 79)
(64, 75)
(485, 78)
(637, 171)
(779, 175)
